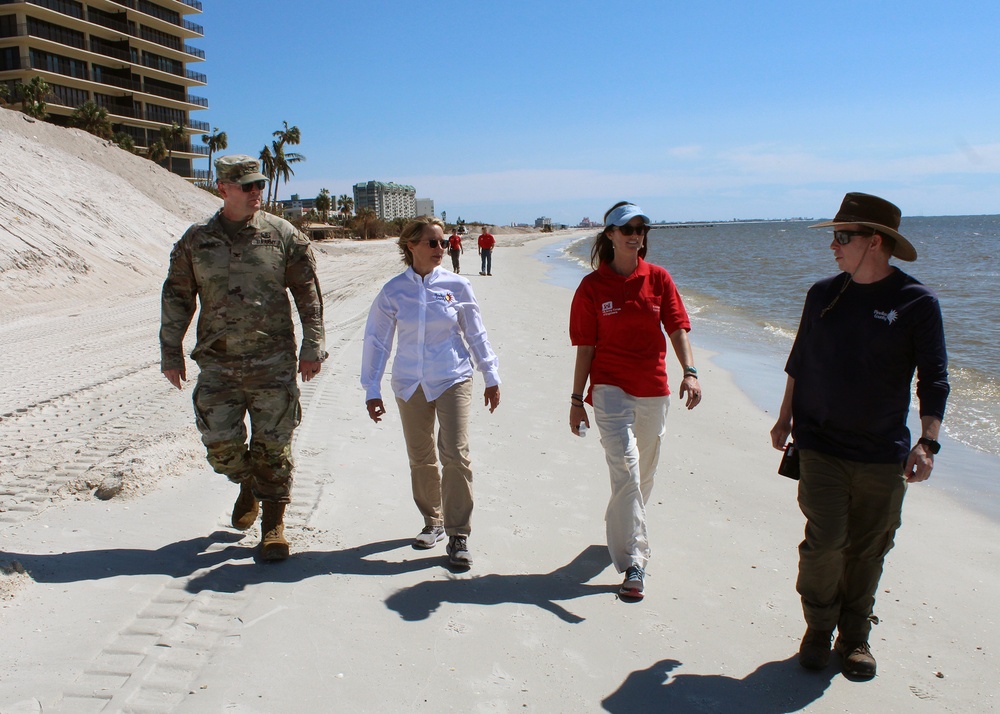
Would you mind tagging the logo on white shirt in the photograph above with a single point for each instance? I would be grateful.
(889, 317)
(447, 296)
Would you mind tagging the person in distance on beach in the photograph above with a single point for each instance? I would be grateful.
(239, 264)
(862, 335)
(440, 337)
(455, 249)
(486, 244)
(618, 317)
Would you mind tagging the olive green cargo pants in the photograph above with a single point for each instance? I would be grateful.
(853, 511)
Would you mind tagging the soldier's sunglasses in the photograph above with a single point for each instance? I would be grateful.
(248, 187)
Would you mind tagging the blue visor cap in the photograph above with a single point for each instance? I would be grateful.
(623, 214)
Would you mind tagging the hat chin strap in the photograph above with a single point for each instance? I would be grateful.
(850, 279)
(863, 256)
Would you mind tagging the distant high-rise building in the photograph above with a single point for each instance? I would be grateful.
(388, 200)
(128, 56)
(425, 206)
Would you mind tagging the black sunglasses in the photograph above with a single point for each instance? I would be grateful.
(844, 237)
(630, 230)
(435, 242)
(248, 187)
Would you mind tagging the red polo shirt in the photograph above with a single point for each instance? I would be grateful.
(487, 241)
(622, 317)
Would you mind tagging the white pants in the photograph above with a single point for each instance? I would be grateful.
(632, 429)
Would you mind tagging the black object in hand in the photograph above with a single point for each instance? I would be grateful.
(789, 465)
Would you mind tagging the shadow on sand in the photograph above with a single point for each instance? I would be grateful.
(213, 560)
(178, 560)
(773, 688)
(217, 562)
(565, 583)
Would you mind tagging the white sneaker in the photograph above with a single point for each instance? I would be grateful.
(429, 537)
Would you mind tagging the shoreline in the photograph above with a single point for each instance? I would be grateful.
(153, 602)
(963, 473)
(150, 601)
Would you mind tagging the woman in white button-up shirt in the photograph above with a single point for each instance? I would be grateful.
(441, 338)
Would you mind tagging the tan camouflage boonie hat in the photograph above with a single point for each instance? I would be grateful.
(238, 168)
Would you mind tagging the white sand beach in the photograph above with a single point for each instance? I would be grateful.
(123, 588)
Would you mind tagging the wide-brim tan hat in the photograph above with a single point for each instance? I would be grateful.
(863, 209)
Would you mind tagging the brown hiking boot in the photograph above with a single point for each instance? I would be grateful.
(814, 652)
(857, 659)
(273, 545)
(246, 508)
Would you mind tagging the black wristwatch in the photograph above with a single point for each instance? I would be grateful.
(931, 445)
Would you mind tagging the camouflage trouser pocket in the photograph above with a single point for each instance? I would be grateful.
(199, 418)
(275, 413)
(224, 436)
(219, 412)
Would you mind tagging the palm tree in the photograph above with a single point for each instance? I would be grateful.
(345, 204)
(157, 151)
(323, 203)
(32, 97)
(289, 135)
(93, 119)
(4, 95)
(365, 223)
(283, 165)
(170, 135)
(267, 168)
(124, 141)
(216, 142)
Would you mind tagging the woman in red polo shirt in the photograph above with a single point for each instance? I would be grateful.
(619, 315)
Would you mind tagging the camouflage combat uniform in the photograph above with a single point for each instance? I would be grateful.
(246, 341)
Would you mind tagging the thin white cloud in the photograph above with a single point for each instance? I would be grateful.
(725, 183)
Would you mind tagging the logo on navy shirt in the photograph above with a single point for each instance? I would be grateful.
(889, 317)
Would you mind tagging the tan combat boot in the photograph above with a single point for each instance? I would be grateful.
(246, 508)
(273, 545)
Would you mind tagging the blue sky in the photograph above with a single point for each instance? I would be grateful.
(506, 111)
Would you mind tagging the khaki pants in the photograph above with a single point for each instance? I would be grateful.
(443, 497)
(632, 430)
(852, 511)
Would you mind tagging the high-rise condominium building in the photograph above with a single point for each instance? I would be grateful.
(425, 206)
(388, 200)
(128, 56)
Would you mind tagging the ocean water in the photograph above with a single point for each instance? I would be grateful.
(744, 284)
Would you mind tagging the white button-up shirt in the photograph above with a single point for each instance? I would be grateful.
(432, 316)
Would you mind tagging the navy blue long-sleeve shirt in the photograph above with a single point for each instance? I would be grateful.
(853, 367)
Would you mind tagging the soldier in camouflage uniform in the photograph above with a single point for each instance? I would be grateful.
(239, 264)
